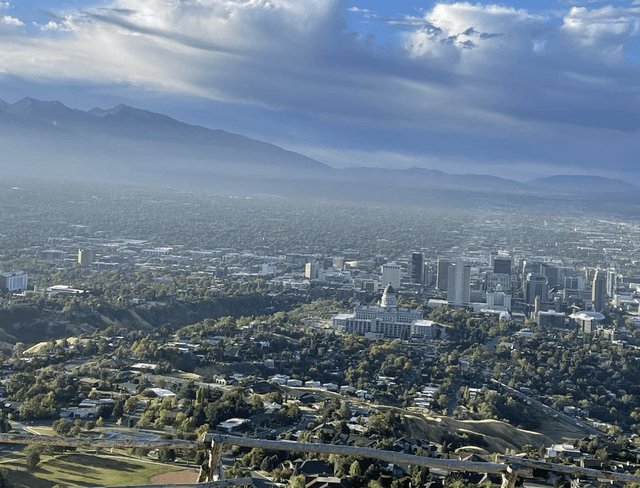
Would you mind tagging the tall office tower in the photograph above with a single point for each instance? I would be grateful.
(612, 282)
(528, 267)
(426, 274)
(391, 273)
(459, 284)
(599, 290)
(493, 281)
(311, 270)
(551, 272)
(536, 286)
(86, 256)
(564, 272)
(502, 265)
(572, 282)
(589, 274)
(417, 268)
(442, 274)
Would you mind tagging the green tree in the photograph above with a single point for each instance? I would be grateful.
(419, 475)
(344, 412)
(5, 426)
(269, 463)
(61, 427)
(32, 456)
(18, 349)
(297, 481)
(166, 455)
(130, 405)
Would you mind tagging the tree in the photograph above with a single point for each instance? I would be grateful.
(18, 349)
(355, 470)
(118, 408)
(200, 458)
(419, 475)
(5, 478)
(297, 481)
(344, 412)
(130, 405)
(269, 463)
(5, 426)
(61, 427)
(166, 455)
(32, 456)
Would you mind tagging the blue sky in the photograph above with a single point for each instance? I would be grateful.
(517, 89)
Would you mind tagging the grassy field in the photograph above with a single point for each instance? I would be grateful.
(498, 436)
(43, 430)
(87, 470)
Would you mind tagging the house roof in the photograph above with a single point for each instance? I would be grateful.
(312, 467)
(325, 482)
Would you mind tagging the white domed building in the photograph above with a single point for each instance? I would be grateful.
(385, 320)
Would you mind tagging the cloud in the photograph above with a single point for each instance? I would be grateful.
(454, 24)
(602, 31)
(8, 20)
(466, 81)
(183, 39)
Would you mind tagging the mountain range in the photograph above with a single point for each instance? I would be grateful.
(126, 144)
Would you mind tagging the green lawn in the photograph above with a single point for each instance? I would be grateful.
(87, 470)
(43, 430)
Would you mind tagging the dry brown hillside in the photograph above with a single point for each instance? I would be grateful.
(499, 436)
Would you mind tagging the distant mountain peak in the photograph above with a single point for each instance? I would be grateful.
(416, 170)
(100, 112)
(28, 101)
(38, 109)
(149, 139)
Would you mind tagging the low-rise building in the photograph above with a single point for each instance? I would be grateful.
(15, 281)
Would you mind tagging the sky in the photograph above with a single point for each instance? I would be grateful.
(517, 89)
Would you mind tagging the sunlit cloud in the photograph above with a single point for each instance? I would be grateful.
(8, 20)
(512, 78)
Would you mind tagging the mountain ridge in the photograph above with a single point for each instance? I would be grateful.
(178, 141)
(582, 183)
(124, 143)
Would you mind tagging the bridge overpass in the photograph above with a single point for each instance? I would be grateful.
(211, 474)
